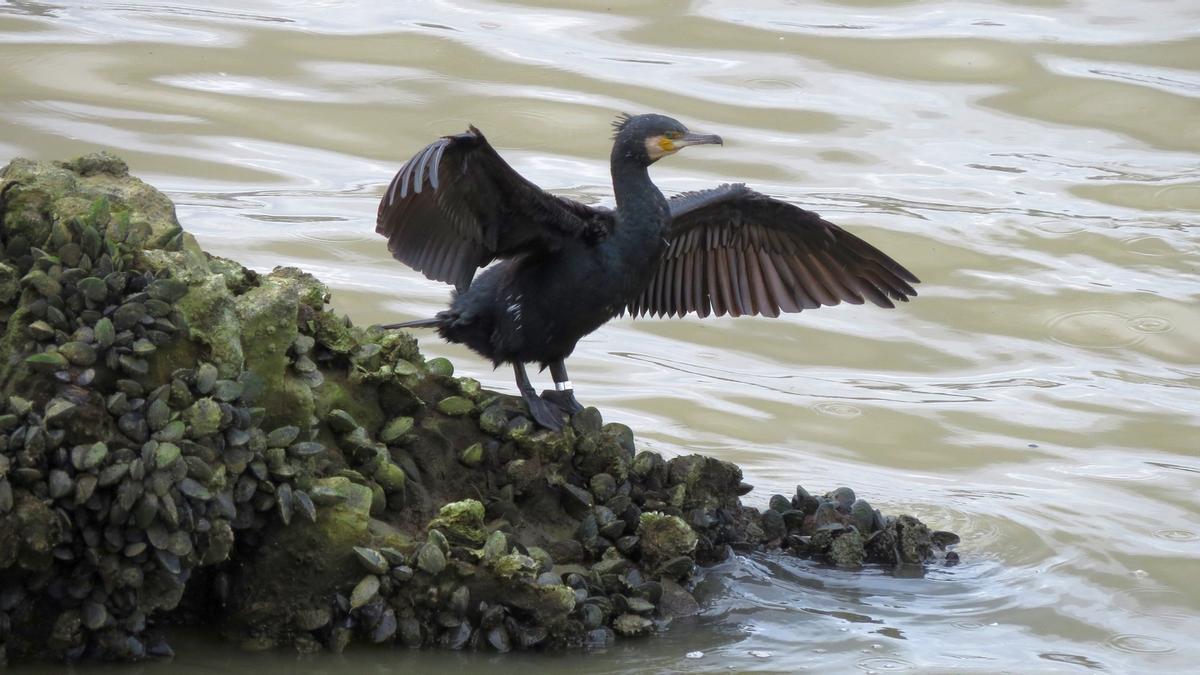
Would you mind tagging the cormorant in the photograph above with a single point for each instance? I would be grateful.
(567, 268)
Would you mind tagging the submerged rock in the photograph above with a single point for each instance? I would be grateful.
(182, 439)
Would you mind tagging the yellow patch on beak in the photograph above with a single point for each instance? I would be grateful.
(658, 147)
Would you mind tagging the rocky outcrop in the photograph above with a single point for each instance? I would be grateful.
(182, 439)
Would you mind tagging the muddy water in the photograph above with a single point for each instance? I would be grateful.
(1037, 163)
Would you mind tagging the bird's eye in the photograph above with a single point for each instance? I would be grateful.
(672, 135)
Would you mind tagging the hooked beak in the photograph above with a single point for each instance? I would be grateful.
(691, 138)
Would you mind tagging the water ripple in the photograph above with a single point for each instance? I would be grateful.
(1036, 167)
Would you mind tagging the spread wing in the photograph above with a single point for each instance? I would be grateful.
(457, 205)
(731, 250)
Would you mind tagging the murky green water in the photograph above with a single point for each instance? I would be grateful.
(1037, 163)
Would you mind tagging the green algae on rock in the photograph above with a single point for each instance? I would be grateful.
(461, 522)
(185, 440)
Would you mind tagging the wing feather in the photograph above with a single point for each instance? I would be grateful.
(733, 251)
(775, 281)
(457, 205)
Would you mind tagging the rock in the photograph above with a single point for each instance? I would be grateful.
(455, 406)
(827, 514)
(440, 366)
(518, 429)
(640, 605)
(794, 520)
(48, 361)
(267, 317)
(678, 567)
(326, 547)
(499, 639)
(632, 625)
(59, 411)
(543, 558)
(602, 453)
(391, 477)
(587, 422)
(603, 486)
(493, 420)
(461, 522)
(371, 560)
(772, 525)
(90, 456)
(364, 591)
(863, 516)
(94, 615)
(166, 454)
(430, 559)
(548, 605)
(548, 446)
(591, 616)
(341, 421)
(396, 429)
(312, 619)
(438, 539)
(707, 483)
(622, 435)
(495, 546)
(469, 387)
(628, 544)
(566, 551)
(60, 484)
(576, 500)
(204, 417)
(283, 436)
(664, 537)
(472, 456)
(515, 566)
(805, 502)
(411, 633)
(843, 498)
(6, 496)
(915, 539)
(943, 539)
(164, 410)
(650, 467)
(847, 550)
(676, 601)
(611, 565)
(599, 638)
(305, 449)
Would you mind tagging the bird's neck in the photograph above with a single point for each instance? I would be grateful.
(640, 204)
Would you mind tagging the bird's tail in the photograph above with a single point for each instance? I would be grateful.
(418, 323)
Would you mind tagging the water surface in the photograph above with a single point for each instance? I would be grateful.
(1036, 163)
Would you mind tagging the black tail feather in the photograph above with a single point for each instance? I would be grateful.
(418, 323)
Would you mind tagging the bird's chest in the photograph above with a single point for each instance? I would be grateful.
(632, 261)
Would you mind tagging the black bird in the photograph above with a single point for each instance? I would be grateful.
(567, 268)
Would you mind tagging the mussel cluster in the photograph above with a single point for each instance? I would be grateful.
(842, 529)
(574, 539)
(120, 485)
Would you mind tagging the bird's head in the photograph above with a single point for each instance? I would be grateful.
(648, 138)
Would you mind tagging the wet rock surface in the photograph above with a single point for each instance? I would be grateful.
(184, 440)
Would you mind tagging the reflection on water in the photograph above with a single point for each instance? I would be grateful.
(1035, 163)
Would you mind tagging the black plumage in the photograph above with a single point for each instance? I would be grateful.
(567, 268)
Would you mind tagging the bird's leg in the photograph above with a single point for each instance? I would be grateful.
(542, 412)
(563, 395)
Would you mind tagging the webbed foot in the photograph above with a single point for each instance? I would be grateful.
(545, 413)
(565, 400)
